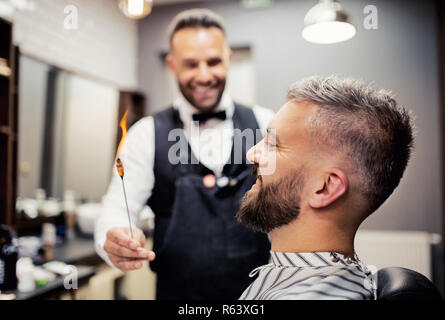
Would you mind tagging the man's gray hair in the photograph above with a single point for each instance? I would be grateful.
(366, 125)
(195, 18)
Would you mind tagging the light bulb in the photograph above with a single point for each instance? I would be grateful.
(329, 32)
(326, 23)
(136, 9)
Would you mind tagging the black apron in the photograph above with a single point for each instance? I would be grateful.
(202, 251)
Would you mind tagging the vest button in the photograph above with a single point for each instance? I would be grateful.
(222, 182)
(209, 181)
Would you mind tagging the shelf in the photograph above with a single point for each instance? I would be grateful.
(5, 76)
(23, 223)
(5, 70)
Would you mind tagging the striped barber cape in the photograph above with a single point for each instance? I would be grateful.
(311, 276)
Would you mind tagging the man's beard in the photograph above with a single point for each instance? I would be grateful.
(274, 205)
(187, 92)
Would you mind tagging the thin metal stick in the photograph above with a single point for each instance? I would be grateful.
(126, 203)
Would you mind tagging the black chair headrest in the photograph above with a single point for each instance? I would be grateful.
(397, 283)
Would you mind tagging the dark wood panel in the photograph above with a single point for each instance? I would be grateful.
(8, 133)
(5, 39)
(15, 129)
(15, 90)
(440, 9)
(4, 101)
(3, 177)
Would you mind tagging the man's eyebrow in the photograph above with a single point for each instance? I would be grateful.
(189, 60)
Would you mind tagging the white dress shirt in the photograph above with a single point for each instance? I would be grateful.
(137, 155)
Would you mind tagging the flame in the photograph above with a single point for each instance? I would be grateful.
(123, 125)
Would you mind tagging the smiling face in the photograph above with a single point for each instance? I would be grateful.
(277, 197)
(288, 143)
(200, 59)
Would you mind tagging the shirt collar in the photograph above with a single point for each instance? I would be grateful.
(186, 110)
(310, 259)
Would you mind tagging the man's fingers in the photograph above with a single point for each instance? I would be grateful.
(119, 237)
(151, 255)
(121, 251)
(124, 252)
(125, 264)
(128, 265)
(141, 237)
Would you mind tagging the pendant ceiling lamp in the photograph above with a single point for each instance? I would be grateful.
(136, 9)
(327, 23)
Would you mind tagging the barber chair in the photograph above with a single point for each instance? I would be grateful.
(397, 283)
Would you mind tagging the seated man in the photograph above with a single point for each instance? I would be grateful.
(339, 149)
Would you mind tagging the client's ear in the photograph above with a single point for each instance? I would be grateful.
(334, 185)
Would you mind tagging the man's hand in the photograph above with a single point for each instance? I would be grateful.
(126, 253)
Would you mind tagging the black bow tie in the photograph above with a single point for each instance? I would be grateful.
(203, 117)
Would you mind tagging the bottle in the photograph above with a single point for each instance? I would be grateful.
(40, 198)
(8, 258)
(48, 240)
(69, 207)
(25, 274)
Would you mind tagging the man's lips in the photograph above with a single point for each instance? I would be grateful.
(205, 92)
(255, 187)
(203, 89)
(259, 178)
(257, 184)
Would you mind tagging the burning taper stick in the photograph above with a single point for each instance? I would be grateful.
(120, 172)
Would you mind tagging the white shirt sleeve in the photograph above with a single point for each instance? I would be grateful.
(137, 155)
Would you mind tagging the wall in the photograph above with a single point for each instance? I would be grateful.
(90, 135)
(33, 77)
(85, 114)
(401, 55)
(103, 47)
(103, 51)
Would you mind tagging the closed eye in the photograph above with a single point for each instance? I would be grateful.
(271, 138)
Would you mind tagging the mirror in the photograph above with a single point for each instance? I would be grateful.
(67, 132)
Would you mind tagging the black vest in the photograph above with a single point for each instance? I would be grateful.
(202, 251)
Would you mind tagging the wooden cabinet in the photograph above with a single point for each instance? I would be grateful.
(8, 124)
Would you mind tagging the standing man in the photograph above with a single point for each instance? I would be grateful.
(202, 251)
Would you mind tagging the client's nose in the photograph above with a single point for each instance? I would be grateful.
(254, 153)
